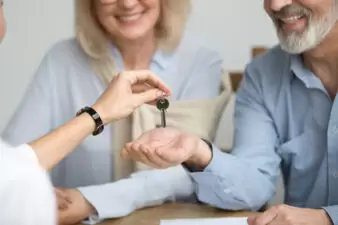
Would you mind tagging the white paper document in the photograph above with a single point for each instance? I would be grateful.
(213, 221)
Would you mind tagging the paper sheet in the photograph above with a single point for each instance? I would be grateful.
(216, 221)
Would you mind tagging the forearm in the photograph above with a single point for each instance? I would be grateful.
(332, 212)
(53, 147)
(142, 189)
(222, 183)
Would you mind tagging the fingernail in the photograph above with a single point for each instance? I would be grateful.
(160, 93)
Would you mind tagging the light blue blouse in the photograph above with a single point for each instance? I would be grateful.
(64, 83)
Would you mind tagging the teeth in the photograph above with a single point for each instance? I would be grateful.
(129, 18)
(290, 19)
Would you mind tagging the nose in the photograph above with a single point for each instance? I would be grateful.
(276, 5)
(128, 3)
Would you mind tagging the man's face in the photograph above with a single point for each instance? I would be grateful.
(2, 22)
(301, 24)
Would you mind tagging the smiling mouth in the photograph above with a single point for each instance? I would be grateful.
(129, 18)
(290, 19)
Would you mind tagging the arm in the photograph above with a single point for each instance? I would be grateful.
(52, 148)
(116, 102)
(253, 161)
(127, 195)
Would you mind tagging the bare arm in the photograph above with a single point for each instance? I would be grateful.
(119, 100)
(52, 148)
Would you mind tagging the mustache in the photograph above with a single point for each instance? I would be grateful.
(291, 10)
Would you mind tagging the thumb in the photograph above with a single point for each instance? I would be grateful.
(251, 220)
(148, 96)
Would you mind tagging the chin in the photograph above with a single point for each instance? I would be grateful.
(134, 35)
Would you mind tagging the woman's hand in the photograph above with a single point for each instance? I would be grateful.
(125, 93)
(128, 91)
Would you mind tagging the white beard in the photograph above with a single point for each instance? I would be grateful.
(296, 43)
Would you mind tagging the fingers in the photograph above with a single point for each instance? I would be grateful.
(179, 150)
(63, 200)
(153, 157)
(147, 97)
(139, 88)
(146, 76)
(145, 154)
(265, 218)
(251, 220)
(135, 152)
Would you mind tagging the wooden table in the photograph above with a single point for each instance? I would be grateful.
(153, 216)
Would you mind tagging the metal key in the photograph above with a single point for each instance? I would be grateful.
(162, 105)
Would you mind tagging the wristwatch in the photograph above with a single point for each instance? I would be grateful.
(99, 127)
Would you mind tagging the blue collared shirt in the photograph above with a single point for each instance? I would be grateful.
(284, 118)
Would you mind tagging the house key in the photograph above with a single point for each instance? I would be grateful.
(162, 105)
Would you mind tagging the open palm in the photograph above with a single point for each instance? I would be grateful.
(161, 148)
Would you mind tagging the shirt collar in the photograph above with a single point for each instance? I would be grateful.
(299, 69)
(161, 58)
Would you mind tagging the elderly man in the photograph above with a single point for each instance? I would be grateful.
(286, 117)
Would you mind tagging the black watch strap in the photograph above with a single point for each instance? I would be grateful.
(99, 127)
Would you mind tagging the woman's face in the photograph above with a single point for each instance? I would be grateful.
(2, 22)
(128, 20)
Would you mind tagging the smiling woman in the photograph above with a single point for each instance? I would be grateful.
(113, 36)
(137, 29)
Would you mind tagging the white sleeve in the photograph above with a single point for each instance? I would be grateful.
(26, 193)
(142, 189)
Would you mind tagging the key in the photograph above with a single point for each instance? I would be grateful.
(162, 105)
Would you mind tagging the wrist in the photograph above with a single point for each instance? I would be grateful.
(202, 156)
(88, 208)
(96, 118)
(86, 119)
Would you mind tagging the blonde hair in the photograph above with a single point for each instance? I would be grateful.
(95, 43)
